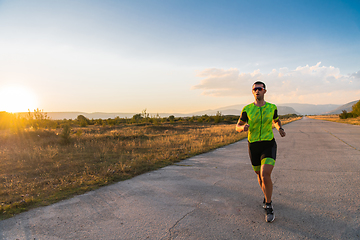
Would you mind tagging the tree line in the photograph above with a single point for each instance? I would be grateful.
(38, 119)
(353, 114)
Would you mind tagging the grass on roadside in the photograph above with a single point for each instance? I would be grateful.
(36, 170)
(335, 118)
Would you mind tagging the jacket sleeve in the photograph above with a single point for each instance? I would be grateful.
(276, 116)
(244, 117)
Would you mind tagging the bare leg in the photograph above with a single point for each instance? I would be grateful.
(260, 182)
(259, 179)
(267, 186)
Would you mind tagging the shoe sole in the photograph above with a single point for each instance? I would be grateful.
(271, 220)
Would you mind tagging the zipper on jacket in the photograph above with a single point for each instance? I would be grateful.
(260, 123)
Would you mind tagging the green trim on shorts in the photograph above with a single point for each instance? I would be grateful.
(256, 168)
(269, 161)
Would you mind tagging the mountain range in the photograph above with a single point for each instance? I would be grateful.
(347, 107)
(288, 108)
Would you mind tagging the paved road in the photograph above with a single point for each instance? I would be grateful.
(216, 196)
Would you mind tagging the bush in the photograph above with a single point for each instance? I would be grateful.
(290, 115)
(37, 119)
(137, 117)
(353, 114)
(65, 135)
(99, 122)
(356, 109)
(218, 117)
(345, 114)
(171, 118)
(83, 121)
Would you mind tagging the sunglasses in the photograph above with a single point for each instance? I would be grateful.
(258, 88)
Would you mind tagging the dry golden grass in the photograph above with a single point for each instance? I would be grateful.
(36, 170)
(335, 118)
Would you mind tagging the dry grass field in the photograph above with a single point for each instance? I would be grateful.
(335, 118)
(37, 170)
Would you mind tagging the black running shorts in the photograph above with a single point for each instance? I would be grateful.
(263, 152)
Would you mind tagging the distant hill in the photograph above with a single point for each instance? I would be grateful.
(236, 110)
(232, 110)
(347, 107)
(311, 109)
(283, 110)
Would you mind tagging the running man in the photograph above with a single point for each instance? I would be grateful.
(257, 118)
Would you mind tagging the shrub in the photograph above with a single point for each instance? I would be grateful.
(356, 109)
(79, 132)
(205, 118)
(171, 118)
(65, 135)
(290, 115)
(218, 117)
(99, 121)
(37, 119)
(345, 114)
(83, 121)
(145, 115)
(137, 117)
(353, 114)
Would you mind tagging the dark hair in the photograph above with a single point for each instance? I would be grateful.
(259, 82)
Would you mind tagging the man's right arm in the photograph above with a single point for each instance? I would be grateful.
(242, 126)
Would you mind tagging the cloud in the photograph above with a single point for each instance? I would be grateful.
(220, 82)
(283, 84)
(355, 75)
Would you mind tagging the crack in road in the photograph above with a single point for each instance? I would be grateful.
(223, 179)
(304, 133)
(197, 207)
(342, 140)
(178, 221)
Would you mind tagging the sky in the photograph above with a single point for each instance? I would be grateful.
(176, 56)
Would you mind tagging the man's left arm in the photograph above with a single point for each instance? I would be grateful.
(278, 126)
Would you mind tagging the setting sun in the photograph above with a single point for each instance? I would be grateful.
(17, 99)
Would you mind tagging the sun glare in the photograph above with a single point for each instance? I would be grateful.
(17, 99)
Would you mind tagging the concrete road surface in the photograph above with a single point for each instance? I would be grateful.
(216, 196)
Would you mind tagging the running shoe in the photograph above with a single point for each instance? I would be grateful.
(270, 215)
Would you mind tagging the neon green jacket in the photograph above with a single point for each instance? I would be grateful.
(260, 121)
